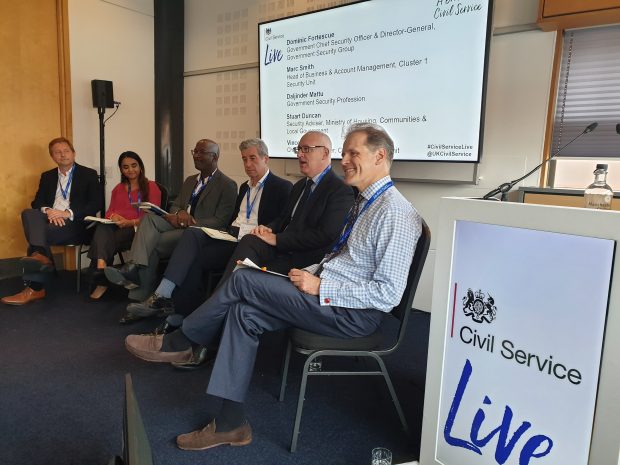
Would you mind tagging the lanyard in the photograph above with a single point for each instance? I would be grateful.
(64, 192)
(320, 178)
(311, 191)
(200, 186)
(250, 206)
(129, 198)
(351, 221)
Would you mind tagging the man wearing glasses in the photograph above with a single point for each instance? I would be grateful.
(312, 219)
(205, 200)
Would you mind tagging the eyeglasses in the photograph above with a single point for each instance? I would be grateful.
(202, 152)
(306, 148)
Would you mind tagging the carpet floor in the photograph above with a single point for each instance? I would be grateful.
(62, 367)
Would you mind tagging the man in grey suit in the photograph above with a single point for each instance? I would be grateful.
(205, 200)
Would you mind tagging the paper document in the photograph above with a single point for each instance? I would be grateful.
(215, 234)
(99, 220)
(150, 207)
(247, 263)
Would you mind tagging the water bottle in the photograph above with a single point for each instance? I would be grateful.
(599, 194)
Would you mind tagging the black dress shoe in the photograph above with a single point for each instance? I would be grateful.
(127, 275)
(171, 323)
(155, 305)
(129, 318)
(201, 357)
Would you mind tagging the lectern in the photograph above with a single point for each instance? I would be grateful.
(524, 349)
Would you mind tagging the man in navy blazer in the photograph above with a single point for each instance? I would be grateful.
(65, 196)
(261, 199)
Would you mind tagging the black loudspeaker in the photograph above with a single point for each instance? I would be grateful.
(103, 96)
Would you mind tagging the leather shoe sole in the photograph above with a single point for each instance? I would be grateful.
(129, 318)
(148, 347)
(208, 437)
(115, 276)
(144, 311)
(201, 358)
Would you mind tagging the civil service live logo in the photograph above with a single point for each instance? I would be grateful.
(479, 306)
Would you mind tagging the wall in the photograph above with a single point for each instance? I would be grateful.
(34, 99)
(113, 41)
(224, 104)
(517, 94)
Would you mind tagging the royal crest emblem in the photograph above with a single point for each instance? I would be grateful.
(479, 309)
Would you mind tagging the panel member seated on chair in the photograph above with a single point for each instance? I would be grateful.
(112, 238)
(260, 201)
(205, 200)
(312, 219)
(346, 295)
(65, 196)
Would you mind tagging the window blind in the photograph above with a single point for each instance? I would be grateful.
(589, 91)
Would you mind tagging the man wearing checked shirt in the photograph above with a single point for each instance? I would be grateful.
(361, 279)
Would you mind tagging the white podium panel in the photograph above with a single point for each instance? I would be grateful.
(523, 362)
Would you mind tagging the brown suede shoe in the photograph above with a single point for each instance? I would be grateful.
(148, 347)
(23, 297)
(207, 437)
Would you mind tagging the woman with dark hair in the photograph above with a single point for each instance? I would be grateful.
(112, 238)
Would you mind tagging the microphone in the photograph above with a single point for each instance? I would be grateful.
(507, 186)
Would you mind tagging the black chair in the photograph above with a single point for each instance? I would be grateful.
(164, 195)
(315, 346)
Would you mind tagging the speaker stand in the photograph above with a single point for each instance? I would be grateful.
(101, 112)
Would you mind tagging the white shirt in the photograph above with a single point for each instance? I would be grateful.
(59, 201)
(255, 193)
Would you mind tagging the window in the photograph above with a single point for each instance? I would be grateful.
(588, 91)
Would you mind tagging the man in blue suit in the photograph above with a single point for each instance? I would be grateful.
(65, 196)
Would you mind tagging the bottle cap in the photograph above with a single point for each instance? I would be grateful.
(601, 166)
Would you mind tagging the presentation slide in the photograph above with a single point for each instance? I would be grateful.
(417, 68)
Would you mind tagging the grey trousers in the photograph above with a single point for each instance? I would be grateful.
(250, 303)
(155, 239)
